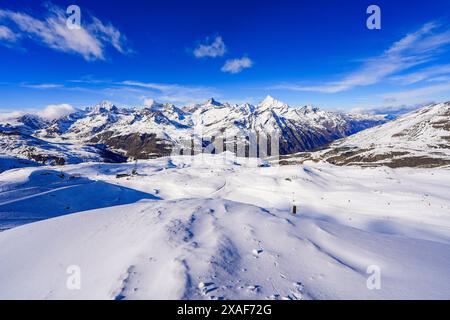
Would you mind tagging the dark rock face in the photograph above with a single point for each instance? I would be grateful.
(302, 139)
(108, 155)
(45, 159)
(135, 145)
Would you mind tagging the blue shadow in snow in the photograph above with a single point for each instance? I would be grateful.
(49, 194)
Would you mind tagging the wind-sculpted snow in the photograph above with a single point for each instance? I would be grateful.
(221, 227)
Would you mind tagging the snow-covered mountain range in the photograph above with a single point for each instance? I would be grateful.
(107, 133)
(418, 139)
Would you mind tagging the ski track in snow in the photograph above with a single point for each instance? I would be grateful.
(222, 229)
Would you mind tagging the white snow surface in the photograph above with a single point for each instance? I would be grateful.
(221, 227)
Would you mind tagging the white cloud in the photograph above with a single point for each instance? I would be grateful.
(182, 99)
(215, 49)
(440, 79)
(408, 96)
(167, 87)
(56, 111)
(7, 34)
(391, 110)
(412, 50)
(50, 112)
(109, 34)
(154, 86)
(173, 93)
(131, 90)
(42, 86)
(89, 41)
(237, 65)
(148, 102)
(429, 74)
(10, 115)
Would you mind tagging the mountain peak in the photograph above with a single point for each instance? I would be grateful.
(213, 102)
(310, 109)
(149, 103)
(269, 101)
(153, 105)
(102, 107)
(106, 104)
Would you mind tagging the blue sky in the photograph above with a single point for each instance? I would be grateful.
(302, 52)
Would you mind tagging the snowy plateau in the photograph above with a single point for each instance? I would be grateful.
(372, 214)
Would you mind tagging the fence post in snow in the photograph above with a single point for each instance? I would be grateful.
(294, 209)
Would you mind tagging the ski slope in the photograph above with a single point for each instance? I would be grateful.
(221, 227)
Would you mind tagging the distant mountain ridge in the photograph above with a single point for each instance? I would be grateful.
(418, 139)
(154, 130)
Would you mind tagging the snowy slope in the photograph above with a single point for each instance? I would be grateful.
(418, 139)
(55, 193)
(19, 145)
(221, 227)
(8, 163)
